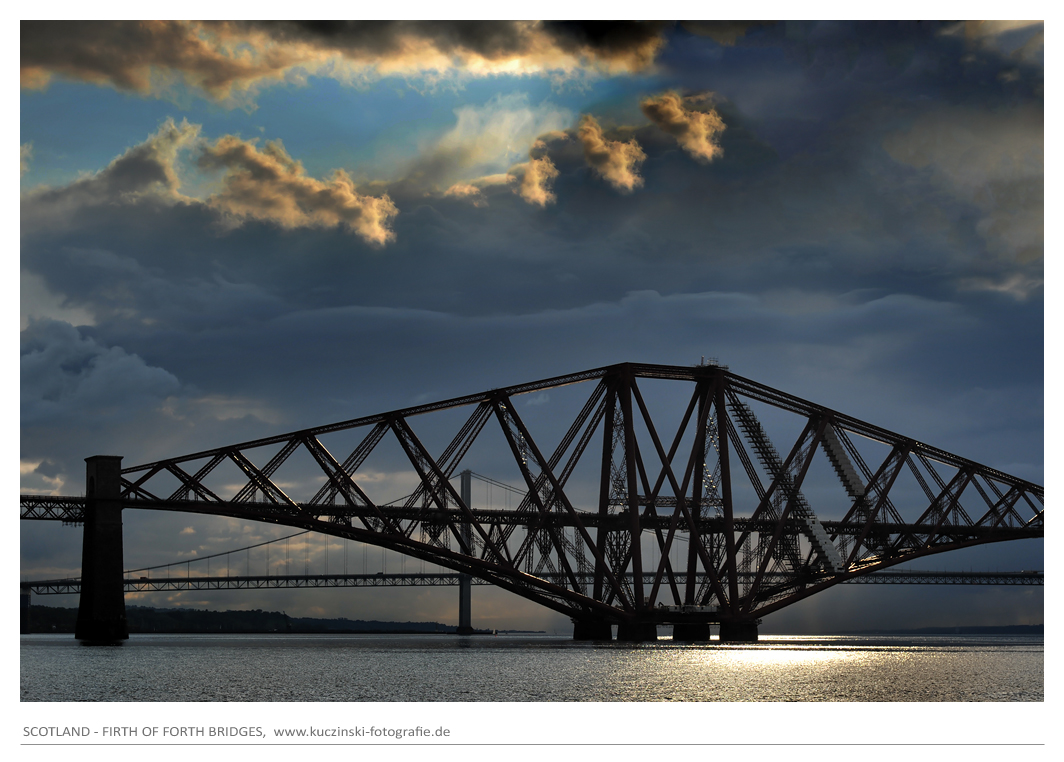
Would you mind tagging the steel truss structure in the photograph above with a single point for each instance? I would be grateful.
(713, 524)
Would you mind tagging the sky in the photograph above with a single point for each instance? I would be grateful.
(231, 229)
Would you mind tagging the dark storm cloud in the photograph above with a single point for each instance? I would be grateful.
(221, 58)
(724, 32)
(994, 161)
(845, 352)
(631, 43)
(65, 375)
(125, 54)
(806, 85)
(634, 43)
(120, 288)
(383, 38)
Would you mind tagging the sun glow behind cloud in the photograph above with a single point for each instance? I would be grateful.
(231, 61)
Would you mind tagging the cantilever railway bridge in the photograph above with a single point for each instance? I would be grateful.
(693, 516)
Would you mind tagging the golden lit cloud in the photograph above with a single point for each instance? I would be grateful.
(256, 183)
(697, 132)
(537, 175)
(268, 184)
(616, 162)
(40, 478)
(473, 190)
(467, 191)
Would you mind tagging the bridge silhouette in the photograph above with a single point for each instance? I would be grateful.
(443, 579)
(618, 526)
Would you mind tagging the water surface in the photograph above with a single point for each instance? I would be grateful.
(285, 667)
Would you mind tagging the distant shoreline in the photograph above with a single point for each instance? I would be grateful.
(146, 620)
(1008, 629)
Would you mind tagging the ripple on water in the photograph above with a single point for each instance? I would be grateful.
(448, 668)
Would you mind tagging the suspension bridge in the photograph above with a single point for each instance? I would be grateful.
(618, 526)
(178, 575)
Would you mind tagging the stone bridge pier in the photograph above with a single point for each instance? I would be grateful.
(731, 631)
(102, 608)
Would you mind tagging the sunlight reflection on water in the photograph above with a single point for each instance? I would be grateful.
(522, 668)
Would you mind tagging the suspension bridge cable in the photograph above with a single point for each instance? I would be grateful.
(215, 555)
(495, 483)
(486, 479)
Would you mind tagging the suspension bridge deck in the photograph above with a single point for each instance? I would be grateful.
(254, 582)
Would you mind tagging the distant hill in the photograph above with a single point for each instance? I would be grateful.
(143, 619)
(1010, 629)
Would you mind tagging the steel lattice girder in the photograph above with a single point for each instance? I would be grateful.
(754, 541)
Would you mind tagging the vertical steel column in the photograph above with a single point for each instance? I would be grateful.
(726, 494)
(738, 629)
(605, 484)
(694, 632)
(600, 629)
(634, 524)
(465, 581)
(102, 607)
(697, 483)
(640, 628)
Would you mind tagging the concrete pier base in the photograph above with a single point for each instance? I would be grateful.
(738, 632)
(465, 582)
(690, 633)
(465, 607)
(102, 608)
(637, 632)
(592, 629)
